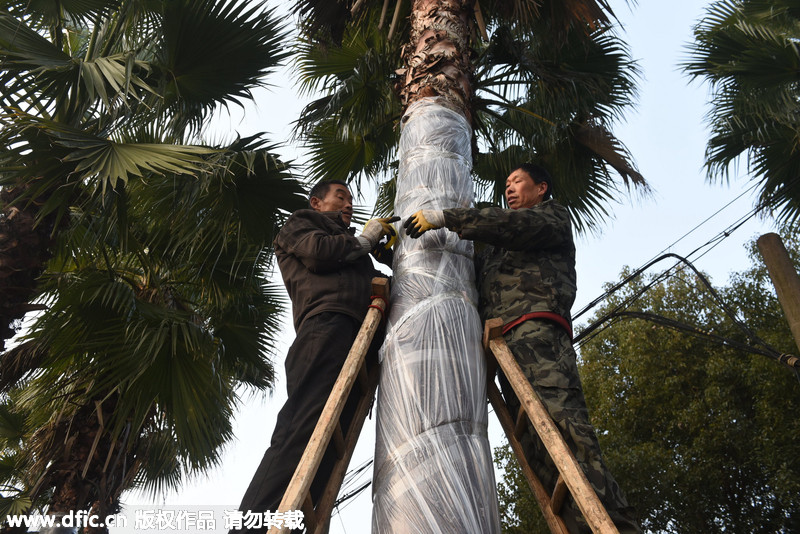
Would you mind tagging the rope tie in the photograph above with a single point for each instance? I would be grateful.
(381, 309)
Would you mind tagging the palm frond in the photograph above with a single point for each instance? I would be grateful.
(355, 157)
(748, 51)
(48, 13)
(562, 16)
(164, 470)
(324, 20)
(214, 53)
(19, 362)
(608, 148)
(16, 505)
(107, 161)
(12, 426)
(34, 69)
(23, 48)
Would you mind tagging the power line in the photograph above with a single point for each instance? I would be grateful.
(711, 243)
(350, 479)
(756, 346)
(346, 497)
(687, 234)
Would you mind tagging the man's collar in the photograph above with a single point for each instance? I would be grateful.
(337, 217)
(542, 203)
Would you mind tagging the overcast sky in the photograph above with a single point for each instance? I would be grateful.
(666, 135)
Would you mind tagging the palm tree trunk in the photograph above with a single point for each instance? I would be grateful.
(433, 467)
(24, 250)
(94, 469)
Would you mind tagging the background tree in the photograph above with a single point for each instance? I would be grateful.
(747, 50)
(154, 299)
(98, 92)
(701, 435)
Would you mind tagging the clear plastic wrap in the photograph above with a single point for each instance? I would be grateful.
(433, 463)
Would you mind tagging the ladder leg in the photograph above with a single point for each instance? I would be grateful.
(555, 523)
(328, 497)
(570, 471)
(297, 493)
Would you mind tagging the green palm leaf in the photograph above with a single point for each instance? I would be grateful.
(47, 13)
(538, 88)
(199, 72)
(157, 304)
(748, 51)
(108, 162)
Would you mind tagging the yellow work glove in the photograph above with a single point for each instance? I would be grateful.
(375, 229)
(422, 221)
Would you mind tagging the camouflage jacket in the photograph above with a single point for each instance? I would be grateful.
(529, 263)
(311, 249)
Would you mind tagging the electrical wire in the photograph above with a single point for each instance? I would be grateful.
(349, 481)
(610, 318)
(687, 234)
(352, 478)
(711, 243)
(620, 311)
(346, 497)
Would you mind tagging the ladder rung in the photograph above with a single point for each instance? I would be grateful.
(559, 494)
(522, 423)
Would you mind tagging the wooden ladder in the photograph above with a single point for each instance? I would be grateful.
(571, 477)
(316, 516)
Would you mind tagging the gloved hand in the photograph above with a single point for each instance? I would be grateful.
(384, 253)
(375, 229)
(422, 221)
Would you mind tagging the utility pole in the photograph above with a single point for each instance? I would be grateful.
(784, 278)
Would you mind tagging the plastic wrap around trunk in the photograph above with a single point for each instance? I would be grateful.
(433, 463)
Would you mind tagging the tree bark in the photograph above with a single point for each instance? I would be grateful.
(93, 468)
(24, 250)
(437, 57)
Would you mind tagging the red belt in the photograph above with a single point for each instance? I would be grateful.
(550, 316)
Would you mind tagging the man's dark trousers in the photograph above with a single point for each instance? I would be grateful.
(313, 364)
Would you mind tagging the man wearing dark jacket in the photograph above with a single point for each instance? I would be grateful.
(526, 276)
(327, 272)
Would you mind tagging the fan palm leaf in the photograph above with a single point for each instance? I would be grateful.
(155, 303)
(748, 51)
(530, 98)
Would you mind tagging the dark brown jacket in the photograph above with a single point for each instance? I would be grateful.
(311, 249)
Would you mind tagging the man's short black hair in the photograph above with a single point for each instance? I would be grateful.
(321, 188)
(538, 175)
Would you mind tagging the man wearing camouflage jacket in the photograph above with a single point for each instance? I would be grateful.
(526, 276)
